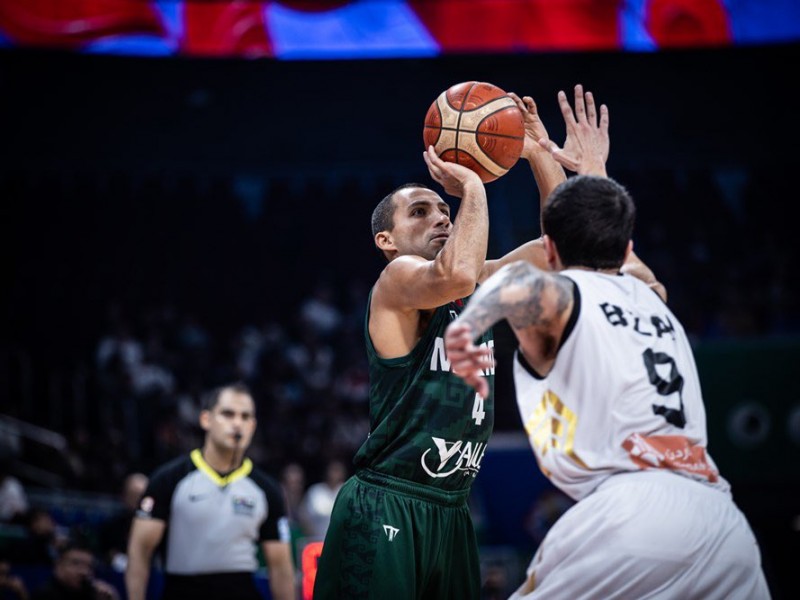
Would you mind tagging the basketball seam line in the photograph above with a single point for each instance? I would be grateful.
(461, 112)
(476, 132)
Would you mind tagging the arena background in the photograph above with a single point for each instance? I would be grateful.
(199, 202)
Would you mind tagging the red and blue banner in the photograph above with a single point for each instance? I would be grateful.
(355, 29)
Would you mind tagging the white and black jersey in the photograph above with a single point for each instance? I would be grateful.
(619, 424)
(623, 394)
(214, 521)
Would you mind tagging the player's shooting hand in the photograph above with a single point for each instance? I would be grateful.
(467, 360)
(454, 178)
(534, 128)
(587, 145)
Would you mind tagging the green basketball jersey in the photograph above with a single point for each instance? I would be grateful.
(426, 424)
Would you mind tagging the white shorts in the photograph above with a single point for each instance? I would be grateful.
(649, 534)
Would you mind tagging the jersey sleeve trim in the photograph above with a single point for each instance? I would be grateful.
(576, 311)
(157, 500)
(568, 328)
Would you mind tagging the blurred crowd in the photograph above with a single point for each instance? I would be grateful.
(308, 377)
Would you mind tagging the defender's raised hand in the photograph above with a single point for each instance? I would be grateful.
(467, 360)
(587, 145)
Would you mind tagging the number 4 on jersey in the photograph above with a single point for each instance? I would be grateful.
(478, 413)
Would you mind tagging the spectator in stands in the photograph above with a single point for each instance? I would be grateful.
(293, 481)
(315, 509)
(11, 586)
(43, 541)
(114, 533)
(13, 499)
(319, 311)
(73, 578)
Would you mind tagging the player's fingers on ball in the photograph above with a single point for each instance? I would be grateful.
(530, 103)
(520, 104)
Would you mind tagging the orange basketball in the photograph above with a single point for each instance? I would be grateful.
(477, 125)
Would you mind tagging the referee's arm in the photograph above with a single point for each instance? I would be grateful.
(144, 537)
(280, 567)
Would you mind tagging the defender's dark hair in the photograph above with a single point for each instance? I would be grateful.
(383, 215)
(210, 399)
(591, 220)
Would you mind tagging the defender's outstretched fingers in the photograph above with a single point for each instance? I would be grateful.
(580, 107)
(566, 109)
(604, 118)
(591, 109)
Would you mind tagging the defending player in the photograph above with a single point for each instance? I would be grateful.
(609, 395)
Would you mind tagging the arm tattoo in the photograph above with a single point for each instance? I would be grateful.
(520, 293)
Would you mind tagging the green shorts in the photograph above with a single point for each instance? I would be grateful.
(392, 539)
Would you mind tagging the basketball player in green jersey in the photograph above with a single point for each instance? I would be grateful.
(401, 527)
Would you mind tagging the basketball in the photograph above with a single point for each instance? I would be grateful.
(475, 124)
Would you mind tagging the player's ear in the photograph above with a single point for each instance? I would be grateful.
(628, 251)
(205, 417)
(384, 241)
(550, 251)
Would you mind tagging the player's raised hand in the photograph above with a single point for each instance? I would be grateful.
(587, 145)
(467, 360)
(534, 128)
(453, 177)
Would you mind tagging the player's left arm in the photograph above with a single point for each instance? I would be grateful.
(280, 566)
(532, 252)
(547, 172)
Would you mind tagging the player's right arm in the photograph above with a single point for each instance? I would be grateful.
(547, 172)
(145, 536)
(415, 283)
(410, 284)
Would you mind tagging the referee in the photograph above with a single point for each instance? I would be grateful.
(212, 507)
